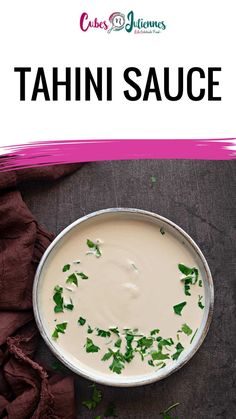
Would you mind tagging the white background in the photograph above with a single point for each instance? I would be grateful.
(46, 33)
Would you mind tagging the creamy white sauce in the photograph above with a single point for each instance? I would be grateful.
(134, 284)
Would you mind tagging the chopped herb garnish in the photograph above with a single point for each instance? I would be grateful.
(186, 329)
(90, 347)
(165, 414)
(200, 297)
(193, 335)
(153, 180)
(107, 355)
(94, 247)
(184, 269)
(90, 330)
(69, 306)
(164, 342)
(129, 354)
(115, 330)
(58, 299)
(162, 231)
(118, 362)
(103, 333)
(95, 398)
(179, 307)
(150, 362)
(200, 283)
(158, 355)
(66, 268)
(179, 348)
(81, 321)
(82, 275)
(154, 332)
(60, 328)
(144, 343)
(118, 343)
(72, 279)
(110, 411)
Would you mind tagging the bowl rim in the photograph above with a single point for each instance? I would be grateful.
(132, 381)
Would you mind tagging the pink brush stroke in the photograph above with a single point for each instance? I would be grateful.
(43, 153)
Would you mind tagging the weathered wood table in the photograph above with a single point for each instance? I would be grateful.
(200, 196)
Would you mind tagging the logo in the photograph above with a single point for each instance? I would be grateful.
(118, 22)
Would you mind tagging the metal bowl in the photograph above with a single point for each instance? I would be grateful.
(128, 381)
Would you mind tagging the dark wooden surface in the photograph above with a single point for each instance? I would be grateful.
(200, 196)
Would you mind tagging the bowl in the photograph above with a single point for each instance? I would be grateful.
(136, 380)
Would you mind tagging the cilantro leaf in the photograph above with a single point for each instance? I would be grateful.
(186, 329)
(103, 333)
(115, 330)
(158, 355)
(82, 275)
(60, 328)
(200, 297)
(154, 332)
(118, 343)
(193, 335)
(95, 398)
(81, 321)
(66, 268)
(184, 269)
(69, 306)
(179, 307)
(107, 355)
(94, 247)
(72, 279)
(90, 347)
(118, 362)
(58, 299)
(162, 231)
(165, 413)
(179, 348)
(110, 411)
(90, 330)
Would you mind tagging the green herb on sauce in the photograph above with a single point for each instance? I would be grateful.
(118, 362)
(200, 283)
(72, 279)
(82, 321)
(118, 343)
(158, 356)
(94, 247)
(60, 328)
(66, 268)
(129, 353)
(191, 277)
(166, 413)
(193, 335)
(90, 347)
(179, 307)
(164, 343)
(115, 330)
(111, 411)
(162, 231)
(186, 329)
(82, 275)
(154, 332)
(179, 348)
(200, 297)
(96, 398)
(103, 333)
(69, 306)
(58, 299)
(90, 330)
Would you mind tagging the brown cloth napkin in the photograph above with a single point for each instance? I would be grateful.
(27, 390)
